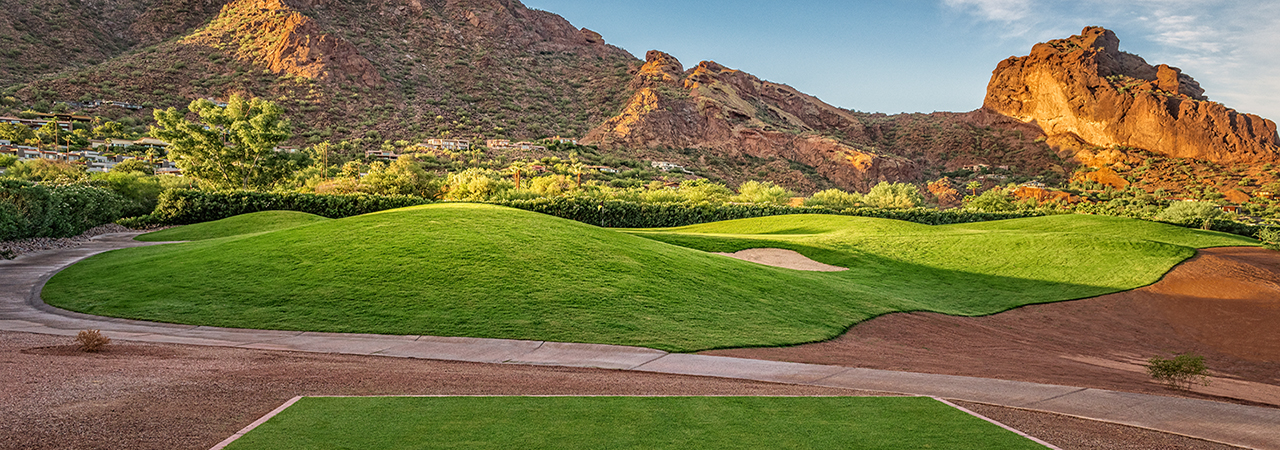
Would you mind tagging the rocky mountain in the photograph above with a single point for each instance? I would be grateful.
(406, 70)
(375, 70)
(44, 37)
(1083, 91)
(721, 113)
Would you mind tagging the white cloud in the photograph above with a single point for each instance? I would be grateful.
(994, 10)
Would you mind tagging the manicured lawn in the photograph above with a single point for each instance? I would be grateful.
(259, 222)
(486, 271)
(627, 423)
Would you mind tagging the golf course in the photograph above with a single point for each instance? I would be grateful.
(457, 269)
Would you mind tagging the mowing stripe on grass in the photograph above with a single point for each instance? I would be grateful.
(1001, 425)
(558, 421)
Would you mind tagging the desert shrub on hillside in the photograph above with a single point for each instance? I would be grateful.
(893, 196)
(834, 199)
(1180, 372)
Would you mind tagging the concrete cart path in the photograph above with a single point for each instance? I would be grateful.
(21, 309)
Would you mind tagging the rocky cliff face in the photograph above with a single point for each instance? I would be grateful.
(275, 35)
(729, 113)
(1084, 92)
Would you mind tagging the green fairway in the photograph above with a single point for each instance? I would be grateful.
(259, 222)
(486, 271)
(627, 423)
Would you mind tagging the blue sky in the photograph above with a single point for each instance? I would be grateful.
(937, 55)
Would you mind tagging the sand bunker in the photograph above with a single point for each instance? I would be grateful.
(786, 259)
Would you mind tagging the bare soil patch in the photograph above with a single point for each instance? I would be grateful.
(164, 396)
(1224, 304)
(787, 259)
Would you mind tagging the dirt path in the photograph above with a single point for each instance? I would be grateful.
(166, 396)
(1223, 304)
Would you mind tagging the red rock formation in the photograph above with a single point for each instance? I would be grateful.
(729, 112)
(286, 41)
(1083, 91)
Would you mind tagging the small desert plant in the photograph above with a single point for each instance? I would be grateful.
(1180, 372)
(92, 340)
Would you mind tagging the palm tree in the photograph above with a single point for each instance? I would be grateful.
(576, 169)
(515, 169)
(973, 187)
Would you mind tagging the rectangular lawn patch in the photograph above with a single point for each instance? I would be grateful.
(626, 423)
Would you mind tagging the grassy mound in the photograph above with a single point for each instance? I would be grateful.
(485, 271)
(259, 222)
(628, 422)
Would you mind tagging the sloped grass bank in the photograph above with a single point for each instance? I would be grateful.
(259, 222)
(627, 423)
(486, 271)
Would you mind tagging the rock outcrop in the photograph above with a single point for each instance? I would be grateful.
(1084, 92)
(731, 113)
(278, 36)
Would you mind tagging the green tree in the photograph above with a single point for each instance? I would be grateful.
(834, 199)
(232, 147)
(894, 195)
(973, 187)
(16, 133)
(995, 200)
(763, 192)
(402, 177)
(576, 169)
(135, 165)
(516, 169)
(47, 171)
(1190, 213)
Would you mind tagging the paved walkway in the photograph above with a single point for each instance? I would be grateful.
(21, 309)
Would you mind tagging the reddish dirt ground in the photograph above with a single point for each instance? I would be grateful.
(159, 396)
(1223, 304)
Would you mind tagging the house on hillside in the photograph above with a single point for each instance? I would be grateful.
(563, 140)
(383, 155)
(497, 144)
(448, 144)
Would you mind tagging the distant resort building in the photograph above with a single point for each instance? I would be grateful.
(504, 144)
(669, 167)
(448, 144)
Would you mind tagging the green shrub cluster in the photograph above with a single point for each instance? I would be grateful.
(30, 210)
(187, 206)
(624, 214)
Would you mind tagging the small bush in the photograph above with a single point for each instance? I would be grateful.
(92, 340)
(1270, 237)
(1180, 372)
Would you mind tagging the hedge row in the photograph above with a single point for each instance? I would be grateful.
(29, 210)
(624, 214)
(183, 206)
(187, 206)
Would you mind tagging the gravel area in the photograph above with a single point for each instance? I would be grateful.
(163, 396)
(12, 249)
(1223, 304)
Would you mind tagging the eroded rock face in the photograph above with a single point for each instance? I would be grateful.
(288, 42)
(1083, 91)
(732, 113)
